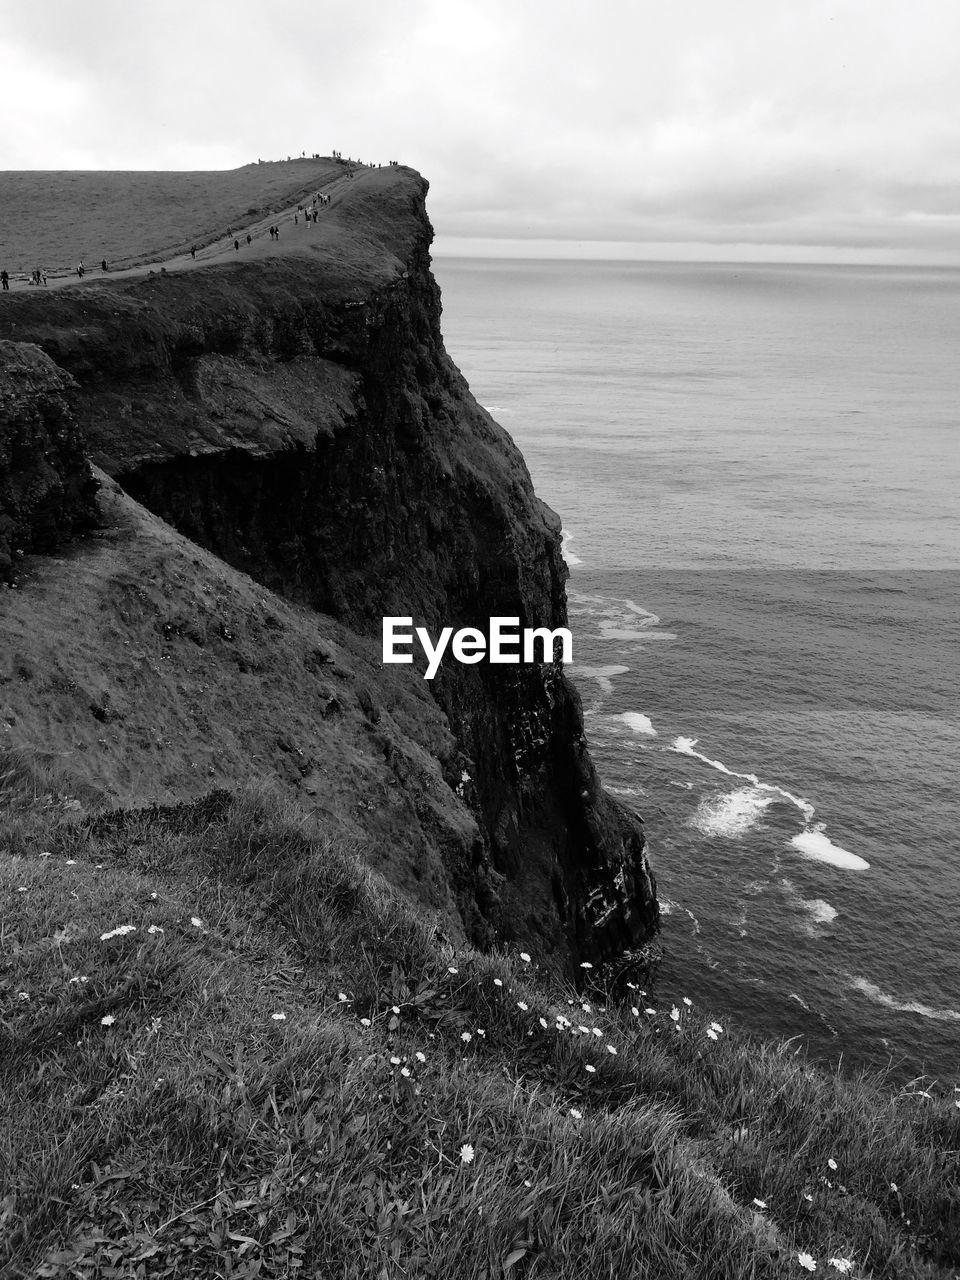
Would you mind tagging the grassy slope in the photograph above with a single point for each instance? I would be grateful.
(52, 219)
(160, 1119)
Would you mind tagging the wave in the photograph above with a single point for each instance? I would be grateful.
(602, 675)
(565, 551)
(812, 843)
(621, 791)
(818, 910)
(873, 992)
(638, 722)
(732, 814)
(816, 846)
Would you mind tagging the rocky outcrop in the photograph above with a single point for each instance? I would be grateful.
(46, 488)
(300, 418)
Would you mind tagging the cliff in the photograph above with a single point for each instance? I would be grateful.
(293, 412)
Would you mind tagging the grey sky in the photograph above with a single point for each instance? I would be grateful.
(731, 128)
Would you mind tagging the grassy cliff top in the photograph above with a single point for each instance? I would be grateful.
(53, 219)
(228, 1048)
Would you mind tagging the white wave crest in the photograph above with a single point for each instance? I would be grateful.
(638, 722)
(873, 992)
(602, 675)
(685, 747)
(565, 551)
(732, 814)
(818, 847)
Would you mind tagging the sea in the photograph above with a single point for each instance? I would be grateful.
(758, 472)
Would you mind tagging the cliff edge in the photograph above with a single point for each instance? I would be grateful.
(291, 410)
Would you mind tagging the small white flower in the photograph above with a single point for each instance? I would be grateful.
(527, 1182)
(196, 922)
(107, 1020)
(894, 1187)
(761, 1204)
(611, 1049)
(395, 1060)
(71, 862)
(451, 969)
(688, 1002)
(584, 1031)
(808, 1197)
(155, 928)
(154, 896)
(591, 1068)
(365, 1022)
(420, 1057)
(466, 1153)
(524, 957)
(577, 1115)
(23, 995)
(342, 997)
(651, 1012)
(674, 1014)
(843, 1265)
(635, 1011)
(497, 982)
(711, 1034)
(806, 1261)
(405, 1071)
(480, 1031)
(522, 1004)
(279, 1017)
(831, 1163)
(22, 889)
(632, 986)
(596, 1031)
(465, 1036)
(394, 1008)
(715, 1026)
(543, 1023)
(586, 1008)
(585, 964)
(45, 853)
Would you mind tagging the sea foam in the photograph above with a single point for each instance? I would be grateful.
(812, 843)
(873, 992)
(638, 722)
(731, 815)
(818, 847)
(565, 551)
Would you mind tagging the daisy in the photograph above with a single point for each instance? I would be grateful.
(365, 1022)
(405, 1071)
(451, 969)
(596, 1031)
(155, 928)
(674, 1014)
(480, 1031)
(761, 1204)
(279, 1017)
(466, 1153)
(522, 1004)
(394, 1061)
(107, 1020)
(806, 1261)
(497, 982)
(611, 1049)
(842, 1265)
(711, 1034)
(577, 1115)
(591, 1068)
(524, 957)
(343, 997)
(651, 1012)
(635, 1012)
(543, 1023)
(420, 1057)
(831, 1163)
(586, 965)
(196, 922)
(465, 1036)
(715, 1026)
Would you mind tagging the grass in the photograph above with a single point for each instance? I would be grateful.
(283, 1069)
(139, 217)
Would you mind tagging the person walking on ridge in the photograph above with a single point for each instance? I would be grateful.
(5, 280)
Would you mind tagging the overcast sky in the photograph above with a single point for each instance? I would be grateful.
(778, 129)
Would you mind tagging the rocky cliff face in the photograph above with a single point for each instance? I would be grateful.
(300, 418)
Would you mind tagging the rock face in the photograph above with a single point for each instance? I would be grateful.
(299, 417)
(46, 489)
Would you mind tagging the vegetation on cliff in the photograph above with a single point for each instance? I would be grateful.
(229, 1048)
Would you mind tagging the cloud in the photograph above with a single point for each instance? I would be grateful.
(754, 121)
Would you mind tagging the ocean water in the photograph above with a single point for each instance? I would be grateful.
(758, 472)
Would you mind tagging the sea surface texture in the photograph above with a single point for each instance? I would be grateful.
(758, 471)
